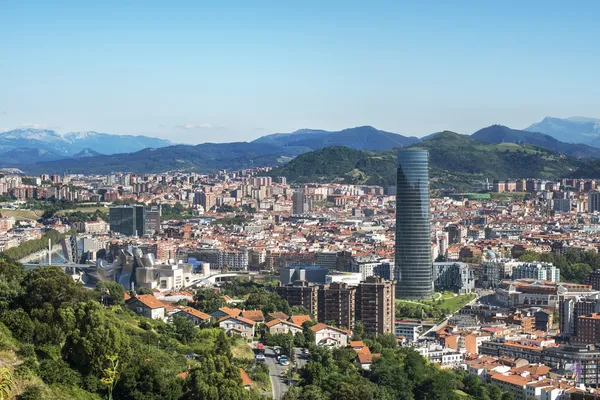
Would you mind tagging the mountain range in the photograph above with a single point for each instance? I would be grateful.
(570, 130)
(455, 161)
(71, 143)
(472, 153)
(362, 137)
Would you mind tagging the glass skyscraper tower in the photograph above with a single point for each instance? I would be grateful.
(413, 243)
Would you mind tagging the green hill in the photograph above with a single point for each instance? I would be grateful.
(455, 161)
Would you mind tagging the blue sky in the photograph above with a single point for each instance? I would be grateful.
(196, 71)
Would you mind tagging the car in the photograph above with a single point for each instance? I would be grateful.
(305, 351)
(260, 357)
(277, 350)
(283, 360)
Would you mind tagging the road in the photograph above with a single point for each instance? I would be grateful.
(279, 385)
(278, 388)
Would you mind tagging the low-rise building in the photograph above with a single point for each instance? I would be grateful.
(326, 335)
(147, 306)
(238, 325)
(281, 327)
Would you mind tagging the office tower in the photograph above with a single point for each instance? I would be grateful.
(337, 302)
(152, 221)
(376, 305)
(302, 202)
(122, 220)
(413, 242)
(593, 201)
(128, 220)
(140, 220)
(301, 293)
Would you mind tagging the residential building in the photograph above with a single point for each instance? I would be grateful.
(571, 309)
(302, 202)
(413, 242)
(337, 302)
(376, 305)
(147, 306)
(540, 271)
(588, 329)
(237, 325)
(278, 326)
(301, 293)
(326, 335)
(194, 316)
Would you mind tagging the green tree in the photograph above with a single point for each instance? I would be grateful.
(185, 330)
(94, 339)
(111, 293)
(208, 301)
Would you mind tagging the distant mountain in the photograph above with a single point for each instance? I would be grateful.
(359, 138)
(203, 158)
(71, 143)
(27, 156)
(87, 153)
(455, 161)
(503, 134)
(570, 130)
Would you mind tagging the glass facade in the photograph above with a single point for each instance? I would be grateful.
(413, 243)
(128, 220)
(122, 220)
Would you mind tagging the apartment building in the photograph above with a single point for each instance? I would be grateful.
(337, 302)
(301, 293)
(375, 305)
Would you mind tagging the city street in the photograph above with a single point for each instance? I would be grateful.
(279, 384)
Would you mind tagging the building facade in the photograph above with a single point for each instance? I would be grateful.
(376, 305)
(413, 242)
(337, 302)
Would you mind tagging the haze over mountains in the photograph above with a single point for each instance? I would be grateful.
(36, 151)
(71, 143)
(571, 130)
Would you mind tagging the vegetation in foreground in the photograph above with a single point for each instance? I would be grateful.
(59, 342)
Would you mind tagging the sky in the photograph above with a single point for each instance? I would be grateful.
(219, 71)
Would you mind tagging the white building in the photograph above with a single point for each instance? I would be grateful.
(541, 271)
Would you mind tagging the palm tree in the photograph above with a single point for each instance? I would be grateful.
(6, 384)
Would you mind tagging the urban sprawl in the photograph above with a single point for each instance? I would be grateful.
(500, 283)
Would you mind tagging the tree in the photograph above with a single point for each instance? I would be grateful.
(111, 374)
(208, 301)
(112, 293)
(6, 384)
(185, 330)
(94, 339)
(387, 340)
(359, 331)
(144, 290)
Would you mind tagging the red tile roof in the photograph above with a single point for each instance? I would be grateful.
(150, 301)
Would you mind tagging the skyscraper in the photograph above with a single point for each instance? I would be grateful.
(413, 243)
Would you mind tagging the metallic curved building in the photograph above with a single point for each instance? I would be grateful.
(413, 244)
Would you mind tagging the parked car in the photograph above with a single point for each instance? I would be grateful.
(277, 350)
(260, 357)
(283, 360)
